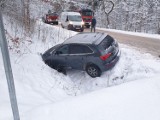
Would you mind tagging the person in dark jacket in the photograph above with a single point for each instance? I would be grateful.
(93, 24)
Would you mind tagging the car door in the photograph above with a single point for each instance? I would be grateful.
(78, 54)
(60, 56)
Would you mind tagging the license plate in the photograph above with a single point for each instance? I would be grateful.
(77, 27)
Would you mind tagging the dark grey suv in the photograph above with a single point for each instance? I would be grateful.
(92, 52)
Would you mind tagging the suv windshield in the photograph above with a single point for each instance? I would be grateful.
(53, 48)
(75, 18)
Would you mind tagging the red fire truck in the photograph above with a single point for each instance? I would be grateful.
(87, 15)
(51, 18)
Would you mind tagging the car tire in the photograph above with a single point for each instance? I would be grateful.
(68, 28)
(82, 30)
(62, 25)
(93, 71)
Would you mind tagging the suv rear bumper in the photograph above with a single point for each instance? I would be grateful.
(111, 64)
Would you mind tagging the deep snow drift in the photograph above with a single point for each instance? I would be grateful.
(43, 93)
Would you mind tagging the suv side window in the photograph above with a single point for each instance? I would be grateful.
(63, 50)
(80, 49)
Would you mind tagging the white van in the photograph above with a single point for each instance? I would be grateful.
(72, 21)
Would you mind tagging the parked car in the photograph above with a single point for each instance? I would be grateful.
(91, 52)
(72, 21)
(51, 18)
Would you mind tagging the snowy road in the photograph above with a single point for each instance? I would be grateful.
(143, 43)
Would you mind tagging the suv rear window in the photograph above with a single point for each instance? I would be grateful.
(106, 42)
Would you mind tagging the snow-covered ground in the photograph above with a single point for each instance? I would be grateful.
(130, 91)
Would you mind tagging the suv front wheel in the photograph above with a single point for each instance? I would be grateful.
(93, 71)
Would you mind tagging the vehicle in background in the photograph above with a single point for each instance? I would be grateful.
(51, 18)
(72, 21)
(91, 52)
(87, 16)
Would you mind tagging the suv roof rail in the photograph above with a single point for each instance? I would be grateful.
(88, 38)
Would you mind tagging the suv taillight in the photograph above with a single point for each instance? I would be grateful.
(106, 56)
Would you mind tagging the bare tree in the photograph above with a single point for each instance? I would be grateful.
(27, 16)
(107, 7)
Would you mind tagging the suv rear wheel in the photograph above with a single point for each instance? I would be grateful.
(93, 71)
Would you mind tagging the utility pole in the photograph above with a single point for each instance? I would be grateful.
(8, 70)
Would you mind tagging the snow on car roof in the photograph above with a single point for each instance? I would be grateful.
(87, 38)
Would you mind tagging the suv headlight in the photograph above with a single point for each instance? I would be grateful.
(82, 23)
(70, 22)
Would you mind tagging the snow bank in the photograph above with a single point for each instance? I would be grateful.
(138, 100)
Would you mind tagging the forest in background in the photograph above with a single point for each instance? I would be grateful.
(127, 15)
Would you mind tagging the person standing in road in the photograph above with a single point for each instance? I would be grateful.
(93, 24)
